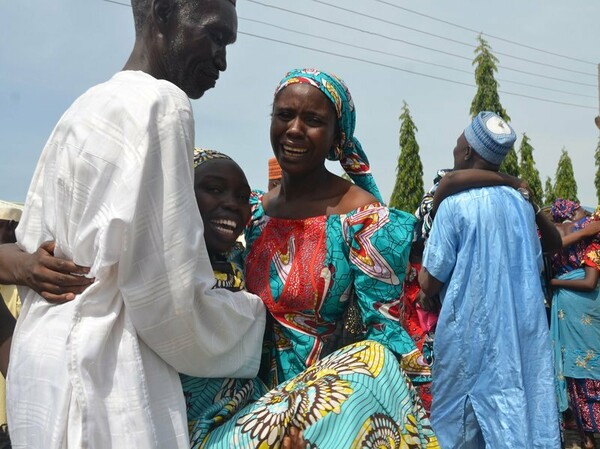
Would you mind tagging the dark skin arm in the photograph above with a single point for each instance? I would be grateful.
(590, 230)
(454, 182)
(56, 280)
(586, 284)
(429, 304)
(550, 237)
(7, 327)
(430, 286)
(459, 180)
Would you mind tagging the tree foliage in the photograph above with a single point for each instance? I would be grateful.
(408, 190)
(510, 164)
(528, 171)
(549, 195)
(486, 98)
(597, 178)
(565, 185)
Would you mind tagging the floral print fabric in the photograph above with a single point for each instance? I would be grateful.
(305, 271)
(354, 398)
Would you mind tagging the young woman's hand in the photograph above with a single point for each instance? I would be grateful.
(56, 280)
(592, 228)
(294, 440)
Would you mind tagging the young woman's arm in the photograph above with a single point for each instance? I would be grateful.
(590, 230)
(459, 180)
(586, 284)
(549, 236)
(55, 279)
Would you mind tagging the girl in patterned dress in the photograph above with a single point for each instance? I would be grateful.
(222, 194)
(340, 401)
(575, 318)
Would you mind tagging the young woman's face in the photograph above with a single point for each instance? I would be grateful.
(222, 194)
(303, 128)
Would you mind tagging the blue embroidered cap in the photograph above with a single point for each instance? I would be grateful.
(490, 136)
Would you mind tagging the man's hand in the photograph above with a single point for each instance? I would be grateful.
(430, 286)
(428, 304)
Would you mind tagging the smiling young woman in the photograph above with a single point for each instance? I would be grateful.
(222, 193)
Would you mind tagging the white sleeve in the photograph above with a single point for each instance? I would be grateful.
(165, 274)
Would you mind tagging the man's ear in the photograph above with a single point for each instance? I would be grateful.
(162, 12)
(468, 153)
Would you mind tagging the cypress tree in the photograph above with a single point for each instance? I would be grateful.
(549, 195)
(487, 98)
(510, 164)
(565, 185)
(408, 190)
(528, 171)
(597, 178)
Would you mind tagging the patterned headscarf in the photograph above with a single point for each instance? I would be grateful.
(349, 152)
(563, 210)
(201, 155)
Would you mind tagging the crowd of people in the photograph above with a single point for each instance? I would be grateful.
(163, 303)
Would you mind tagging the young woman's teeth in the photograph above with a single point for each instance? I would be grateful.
(228, 226)
(294, 151)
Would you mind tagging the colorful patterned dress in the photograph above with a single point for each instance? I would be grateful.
(575, 331)
(213, 401)
(355, 398)
(306, 270)
(419, 324)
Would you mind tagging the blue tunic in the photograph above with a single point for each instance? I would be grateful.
(493, 377)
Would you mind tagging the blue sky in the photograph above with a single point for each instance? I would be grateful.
(52, 51)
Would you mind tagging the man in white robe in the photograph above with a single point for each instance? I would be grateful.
(113, 188)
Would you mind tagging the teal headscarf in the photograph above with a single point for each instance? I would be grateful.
(349, 152)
